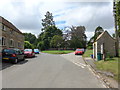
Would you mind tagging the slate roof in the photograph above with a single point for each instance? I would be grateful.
(9, 24)
(102, 35)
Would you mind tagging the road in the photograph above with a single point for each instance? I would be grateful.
(50, 71)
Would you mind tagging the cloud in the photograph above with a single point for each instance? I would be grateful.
(27, 14)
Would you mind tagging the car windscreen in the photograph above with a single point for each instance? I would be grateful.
(28, 50)
(9, 51)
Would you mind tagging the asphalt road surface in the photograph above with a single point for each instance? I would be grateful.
(50, 71)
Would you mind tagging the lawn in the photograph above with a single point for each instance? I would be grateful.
(110, 65)
(88, 53)
(58, 51)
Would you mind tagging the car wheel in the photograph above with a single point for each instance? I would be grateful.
(15, 61)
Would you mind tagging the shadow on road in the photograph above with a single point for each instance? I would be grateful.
(30, 57)
(6, 64)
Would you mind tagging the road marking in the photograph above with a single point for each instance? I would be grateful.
(80, 64)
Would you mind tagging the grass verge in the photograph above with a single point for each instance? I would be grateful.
(88, 53)
(58, 51)
(110, 65)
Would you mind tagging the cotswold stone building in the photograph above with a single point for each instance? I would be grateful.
(104, 44)
(10, 36)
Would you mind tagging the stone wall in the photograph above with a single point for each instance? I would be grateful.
(10, 34)
(109, 44)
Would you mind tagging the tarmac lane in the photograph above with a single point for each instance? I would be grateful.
(50, 71)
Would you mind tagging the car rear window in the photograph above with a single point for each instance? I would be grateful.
(8, 51)
(36, 50)
(80, 50)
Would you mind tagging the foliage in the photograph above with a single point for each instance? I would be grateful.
(41, 45)
(31, 38)
(98, 31)
(27, 44)
(56, 41)
(90, 43)
(49, 31)
(118, 16)
(76, 43)
(48, 21)
(75, 37)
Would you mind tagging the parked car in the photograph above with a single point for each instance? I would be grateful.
(12, 55)
(29, 53)
(79, 51)
(36, 51)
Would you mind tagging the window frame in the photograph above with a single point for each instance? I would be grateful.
(11, 43)
(3, 41)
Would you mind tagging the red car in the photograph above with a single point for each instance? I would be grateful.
(29, 53)
(79, 51)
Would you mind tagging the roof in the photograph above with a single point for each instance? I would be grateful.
(102, 35)
(9, 24)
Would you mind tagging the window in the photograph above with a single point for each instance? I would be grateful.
(11, 43)
(4, 27)
(11, 32)
(3, 41)
(19, 45)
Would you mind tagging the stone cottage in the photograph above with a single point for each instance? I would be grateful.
(10, 36)
(105, 45)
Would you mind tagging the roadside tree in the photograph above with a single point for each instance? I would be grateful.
(56, 41)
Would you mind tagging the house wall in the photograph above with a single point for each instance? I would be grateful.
(109, 44)
(11, 34)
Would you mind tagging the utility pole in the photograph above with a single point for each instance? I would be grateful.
(116, 28)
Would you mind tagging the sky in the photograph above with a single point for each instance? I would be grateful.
(26, 15)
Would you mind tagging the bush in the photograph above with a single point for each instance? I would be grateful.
(90, 47)
(27, 44)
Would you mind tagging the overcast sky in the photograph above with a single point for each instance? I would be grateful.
(26, 15)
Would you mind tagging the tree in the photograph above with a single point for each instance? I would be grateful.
(118, 16)
(49, 30)
(98, 31)
(41, 45)
(48, 21)
(78, 35)
(27, 44)
(31, 38)
(90, 43)
(76, 43)
(56, 41)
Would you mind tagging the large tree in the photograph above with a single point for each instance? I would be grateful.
(56, 41)
(47, 21)
(118, 16)
(49, 30)
(75, 37)
(98, 31)
(78, 36)
(30, 37)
